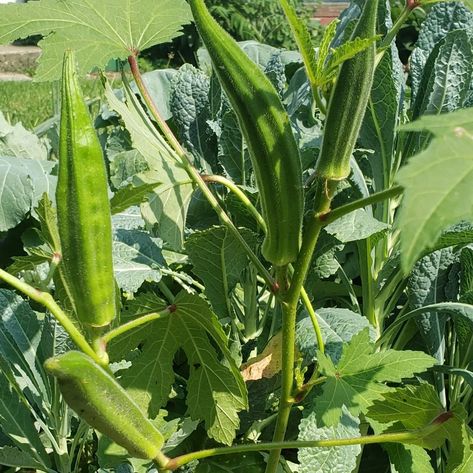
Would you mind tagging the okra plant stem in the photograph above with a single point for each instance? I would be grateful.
(324, 193)
(391, 35)
(286, 400)
(192, 171)
(46, 300)
(397, 437)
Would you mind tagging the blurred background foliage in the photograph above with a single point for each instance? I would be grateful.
(407, 36)
(260, 20)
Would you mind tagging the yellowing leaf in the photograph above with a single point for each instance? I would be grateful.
(267, 364)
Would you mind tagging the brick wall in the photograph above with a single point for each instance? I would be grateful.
(326, 12)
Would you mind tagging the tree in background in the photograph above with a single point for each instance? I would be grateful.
(262, 20)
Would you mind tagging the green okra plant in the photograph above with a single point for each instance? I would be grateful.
(356, 384)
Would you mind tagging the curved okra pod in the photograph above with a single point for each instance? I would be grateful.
(96, 397)
(267, 131)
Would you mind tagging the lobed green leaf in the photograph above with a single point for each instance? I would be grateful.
(359, 377)
(99, 31)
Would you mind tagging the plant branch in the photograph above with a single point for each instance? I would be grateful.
(53, 265)
(193, 173)
(312, 314)
(241, 196)
(106, 338)
(391, 35)
(258, 426)
(343, 210)
(46, 300)
(183, 278)
(314, 319)
(395, 437)
(314, 382)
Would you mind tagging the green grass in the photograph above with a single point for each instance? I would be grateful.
(31, 103)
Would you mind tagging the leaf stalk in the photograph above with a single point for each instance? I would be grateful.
(192, 171)
(120, 330)
(361, 203)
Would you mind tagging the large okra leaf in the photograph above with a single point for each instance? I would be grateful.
(361, 376)
(215, 390)
(99, 31)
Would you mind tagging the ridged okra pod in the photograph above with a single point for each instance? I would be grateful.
(267, 130)
(83, 208)
(97, 398)
(348, 101)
